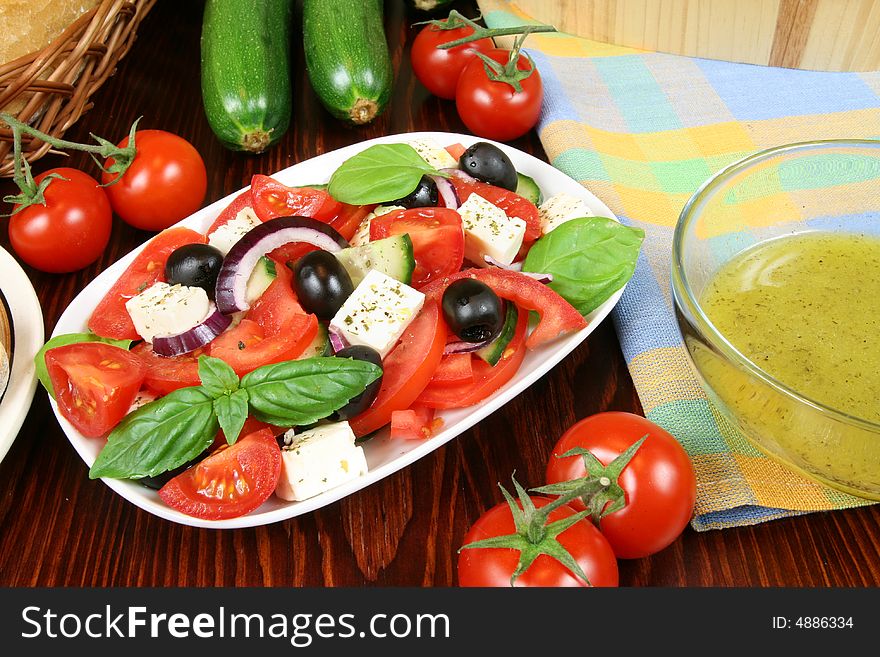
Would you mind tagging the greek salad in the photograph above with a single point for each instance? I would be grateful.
(256, 358)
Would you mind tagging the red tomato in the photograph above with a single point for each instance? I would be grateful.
(110, 319)
(495, 110)
(166, 374)
(494, 566)
(239, 203)
(275, 329)
(95, 384)
(414, 423)
(439, 69)
(349, 218)
(229, 483)
(70, 230)
(407, 369)
(486, 378)
(273, 199)
(165, 183)
(557, 315)
(513, 205)
(437, 239)
(659, 481)
(456, 150)
(453, 369)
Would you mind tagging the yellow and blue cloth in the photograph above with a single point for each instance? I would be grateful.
(642, 131)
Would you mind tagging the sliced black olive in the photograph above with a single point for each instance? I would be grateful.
(472, 310)
(487, 162)
(425, 195)
(357, 405)
(322, 284)
(194, 265)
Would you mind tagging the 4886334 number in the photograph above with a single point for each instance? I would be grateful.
(824, 622)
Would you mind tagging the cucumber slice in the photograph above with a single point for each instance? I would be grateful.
(261, 278)
(528, 188)
(320, 346)
(493, 351)
(392, 256)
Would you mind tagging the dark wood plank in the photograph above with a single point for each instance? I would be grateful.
(58, 528)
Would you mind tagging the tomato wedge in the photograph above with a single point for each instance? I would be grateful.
(513, 204)
(349, 217)
(275, 329)
(406, 370)
(110, 318)
(437, 239)
(486, 378)
(230, 212)
(229, 483)
(167, 374)
(95, 384)
(272, 199)
(414, 423)
(453, 369)
(557, 315)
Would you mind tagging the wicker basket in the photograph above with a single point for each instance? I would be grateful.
(50, 88)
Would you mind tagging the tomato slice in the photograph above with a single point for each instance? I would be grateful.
(229, 483)
(407, 369)
(513, 204)
(437, 239)
(349, 217)
(456, 150)
(110, 318)
(557, 315)
(453, 369)
(272, 199)
(486, 378)
(166, 374)
(414, 423)
(95, 384)
(275, 329)
(230, 212)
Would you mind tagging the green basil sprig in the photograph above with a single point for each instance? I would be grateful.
(62, 340)
(174, 429)
(589, 258)
(380, 173)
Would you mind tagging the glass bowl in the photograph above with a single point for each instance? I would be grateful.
(822, 185)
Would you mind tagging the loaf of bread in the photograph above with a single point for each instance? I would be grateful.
(29, 25)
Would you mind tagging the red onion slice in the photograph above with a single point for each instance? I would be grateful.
(462, 347)
(337, 340)
(447, 192)
(462, 175)
(260, 240)
(191, 339)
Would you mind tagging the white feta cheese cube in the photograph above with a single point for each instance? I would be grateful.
(377, 312)
(433, 153)
(560, 208)
(362, 234)
(489, 231)
(225, 237)
(164, 309)
(317, 460)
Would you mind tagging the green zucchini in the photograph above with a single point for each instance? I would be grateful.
(246, 87)
(347, 57)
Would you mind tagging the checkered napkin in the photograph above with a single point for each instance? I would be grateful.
(642, 131)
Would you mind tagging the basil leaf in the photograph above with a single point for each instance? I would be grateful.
(383, 172)
(304, 391)
(217, 377)
(159, 436)
(60, 341)
(590, 259)
(232, 411)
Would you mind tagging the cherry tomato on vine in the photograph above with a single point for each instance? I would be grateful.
(658, 482)
(165, 183)
(494, 109)
(437, 68)
(70, 231)
(495, 566)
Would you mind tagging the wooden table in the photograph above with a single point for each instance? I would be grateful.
(58, 528)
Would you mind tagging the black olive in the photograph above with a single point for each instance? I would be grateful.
(194, 265)
(357, 405)
(321, 283)
(472, 310)
(487, 162)
(425, 195)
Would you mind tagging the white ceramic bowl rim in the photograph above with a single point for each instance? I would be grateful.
(687, 301)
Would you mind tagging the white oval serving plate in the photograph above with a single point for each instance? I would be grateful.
(384, 455)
